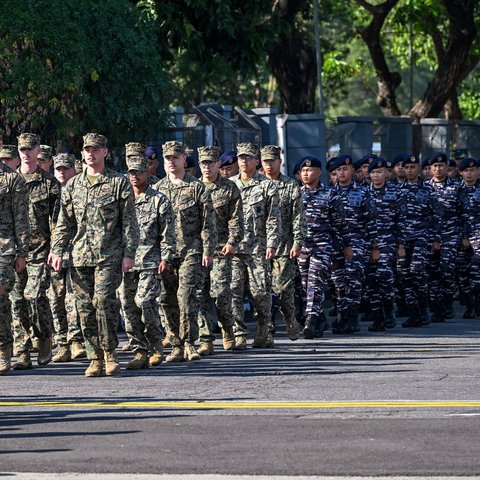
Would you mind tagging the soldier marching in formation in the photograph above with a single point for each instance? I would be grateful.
(178, 257)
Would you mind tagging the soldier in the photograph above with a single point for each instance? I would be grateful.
(455, 232)
(426, 170)
(45, 159)
(196, 237)
(141, 287)
(97, 215)
(30, 305)
(229, 164)
(423, 225)
(292, 237)
(251, 264)
(9, 156)
(190, 166)
(398, 170)
(227, 205)
(153, 163)
(348, 272)
(68, 333)
(326, 231)
(14, 224)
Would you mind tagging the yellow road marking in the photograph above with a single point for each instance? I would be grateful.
(245, 405)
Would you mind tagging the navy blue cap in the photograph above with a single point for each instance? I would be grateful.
(340, 161)
(425, 162)
(369, 158)
(189, 162)
(410, 159)
(452, 163)
(378, 162)
(310, 162)
(151, 153)
(228, 158)
(399, 158)
(468, 163)
(296, 168)
(438, 157)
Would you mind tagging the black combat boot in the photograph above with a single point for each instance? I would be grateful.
(378, 324)
(470, 307)
(353, 325)
(402, 310)
(424, 313)
(339, 326)
(310, 327)
(438, 313)
(321, 325)
(413, 319)
(449, 313)
(389, 314)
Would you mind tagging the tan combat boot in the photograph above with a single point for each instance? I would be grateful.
(261, 340)
(166, 343)
(35, 345)
(139, 361)
(24, 362)
(5, 359)
(156, 357)
(44, 351)
(190, 354)
(127, 347)
(77, 350)
(94, 369)
(112, 367)
(240, 343)
(176, 355)
(228, 338)
(63, 355)
(206, 348)
(270, 342)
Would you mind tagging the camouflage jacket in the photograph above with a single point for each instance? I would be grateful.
(100, 218)
(228, 208)
(156, 223)
(195, 227)
(14, 223)
(294, 223)
(261, 213)
(43, 193)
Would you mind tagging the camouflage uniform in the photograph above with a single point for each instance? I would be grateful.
(30, 304)
(261, 209)
(14, 227)
(100, 221)
(196, 235)
(227, 205)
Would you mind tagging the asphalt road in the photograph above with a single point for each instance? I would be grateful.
(404, 402)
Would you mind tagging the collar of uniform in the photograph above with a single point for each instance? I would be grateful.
(102, 178)
(36, 176)
(146, 195)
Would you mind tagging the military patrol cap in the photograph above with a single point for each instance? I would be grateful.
(177, 149)
(45, 152)
(8, 151)
(228, 158)
(460, 153)
(66, 160)
(438, 157)
(208, 153)
(270, 152)
(134, 149)
(468, 162)
(310, 162)
(151, 153)
(248, 149)
(28, 140)
(138, 163)
(378, 162)
(411, 159)
(189, 162)
(364, 160)
(94, 140)
(340, 161)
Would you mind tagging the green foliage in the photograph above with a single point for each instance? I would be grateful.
(80, 65)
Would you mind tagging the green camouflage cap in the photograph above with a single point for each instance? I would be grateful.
(208, 153)
(138, 163)
(270, 152)
(460, 153)
(28, 140)
(94, 140)
(45, 152)
(135, 148)
(248, 149)
(173, 148)
(8, 151)
(66, 160)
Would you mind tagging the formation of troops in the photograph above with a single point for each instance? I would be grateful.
(177, 258)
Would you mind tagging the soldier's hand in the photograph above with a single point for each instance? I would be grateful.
(163, 267)
(401, 251)
(207, 262)
(127, 264)
(228, 250)
(375, 255)
(348, 253)
(435, 247)
(20, 264)
(270, 254)
(294, 252)
(465, 243)
(55, 261)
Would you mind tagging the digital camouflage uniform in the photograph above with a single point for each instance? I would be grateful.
(262, 221)
(227, 205)
(196, 236)
(99, 219)
(30, 304)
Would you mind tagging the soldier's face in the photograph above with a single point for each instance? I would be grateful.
(28, 156)
(399, 171)
(45, 164)
(364, 169)
(470, 175)
(13, 163)
(94, 156)
(153, 166)
(439, 170)
(344, 174)
(210, 169)
(229, 170)
(310, 176)
(379, 176)
(272, 166)
(247, 164)
(427, 172)
(175, 165)
(412, 171)
(138, 179)
(64, 174)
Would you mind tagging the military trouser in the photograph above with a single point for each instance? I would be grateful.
(7, 279)
(138, 295)
(179, 300)
(30, 305)
(463, 267)
(252, 272)
(98, 307)
(380, 280)
(215, 286)
(413, 274)
(314, 264)
(66, 321)
(475, 266)
(283, 285)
